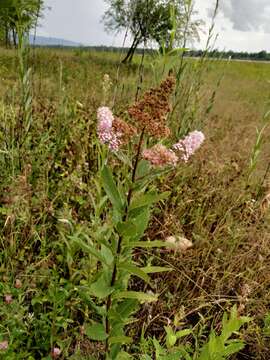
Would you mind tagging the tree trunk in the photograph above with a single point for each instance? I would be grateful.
(132, 50)
(6, 35)
(14, 36)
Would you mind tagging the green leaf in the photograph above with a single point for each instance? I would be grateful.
(120, 340)
(111, 189)
(126, 308)
(134, 270)
(126, 229)
(88, 248)
(101, 288)
(107, 254)
(150, 244)
(140, 296)
(96, 332)
(155, 269)
(170, 337)
(147, 199)
(233, 348)
(140, 217)
(123, 356)
(142, 169)
(182, 333)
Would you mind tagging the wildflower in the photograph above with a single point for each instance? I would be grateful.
(189, 144)
(56, 352)
(105, 130)
(8, 299)
(151, 111)
(159, 155)
(105, 120)
(3, 345)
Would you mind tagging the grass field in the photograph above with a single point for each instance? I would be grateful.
(51, 195)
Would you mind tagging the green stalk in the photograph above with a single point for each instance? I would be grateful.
(119, 245)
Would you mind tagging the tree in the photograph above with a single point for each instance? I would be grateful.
(14, 13)
(149, 20)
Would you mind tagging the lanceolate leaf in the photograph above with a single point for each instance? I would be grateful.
(182, 333)
(120, 340)
(140, 217)
(155, 269)
(150, 244)
(134, 270)
(126, 308)
(111, 189)
(88, 248)
(147, 199)
(140, 296)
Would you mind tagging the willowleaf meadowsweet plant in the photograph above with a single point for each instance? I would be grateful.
(136, 151)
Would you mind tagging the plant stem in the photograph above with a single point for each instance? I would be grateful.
(119, 248)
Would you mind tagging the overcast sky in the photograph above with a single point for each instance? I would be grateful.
(242, 24)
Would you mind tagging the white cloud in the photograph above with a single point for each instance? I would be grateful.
(247, 15)
(242, 24)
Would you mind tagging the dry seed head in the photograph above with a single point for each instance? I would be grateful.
(123, 130)
(151, 111)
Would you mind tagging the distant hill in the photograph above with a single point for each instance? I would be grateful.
(51, 41)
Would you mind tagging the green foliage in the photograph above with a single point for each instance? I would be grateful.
(257, 148)
(18, 16)
(222, 347)
(218, 347)
(164, 22)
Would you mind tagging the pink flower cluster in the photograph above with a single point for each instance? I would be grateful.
(105, 130)
(159, 155)
(189, 144)
(56, 352)
(3, 345)
(8, 299)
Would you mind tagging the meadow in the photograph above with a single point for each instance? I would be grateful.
(60, 191)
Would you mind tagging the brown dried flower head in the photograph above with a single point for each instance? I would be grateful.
(151, 111)
(123, 130)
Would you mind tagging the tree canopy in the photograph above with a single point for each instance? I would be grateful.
(14, 13)
(150, 20)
